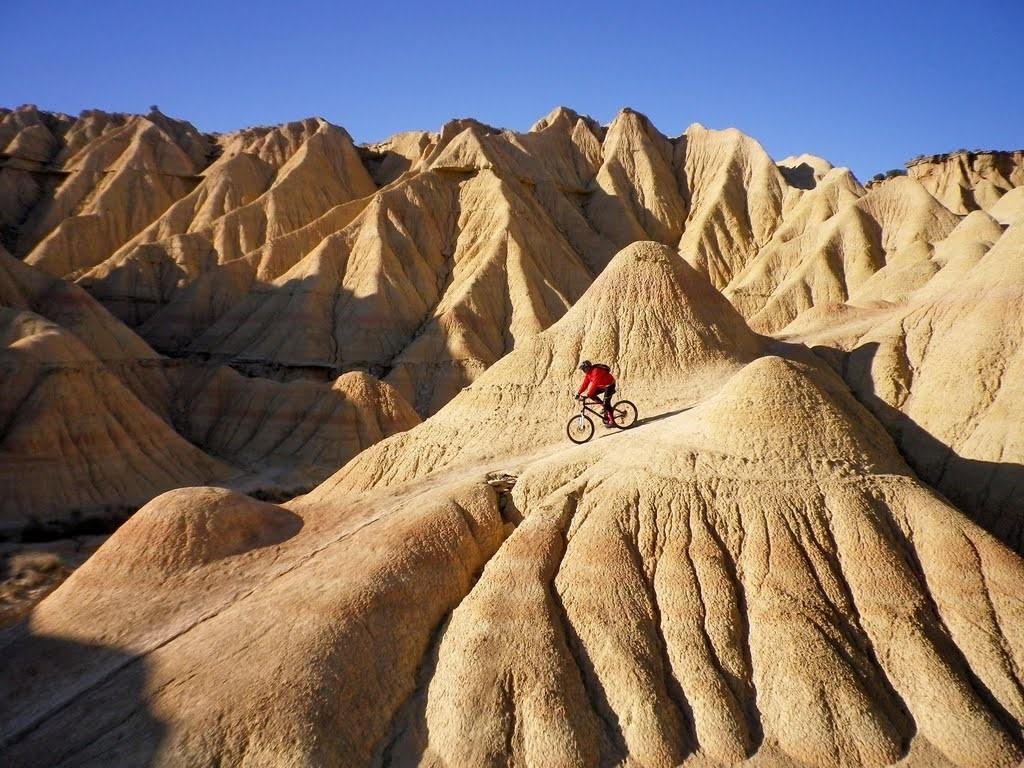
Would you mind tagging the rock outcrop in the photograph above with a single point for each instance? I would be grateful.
(75, 442)
(807, 551)
(294, 434)
(88, 185)
(95, 423)
(668, 334)
(966, 181)
(758, 576)
(941, 369)
(429, 240)
(265, 184)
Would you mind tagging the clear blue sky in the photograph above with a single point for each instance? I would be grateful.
(866, 84)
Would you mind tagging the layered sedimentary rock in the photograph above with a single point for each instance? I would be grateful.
(99, 180)
(837, 239)
(296, 433)
(265, 184)
(942, 370)
(789, 560)
(23, 287)
(276, 212)
(435, 280)
(967, 181)
(76, 442)
(757, 576)
(288, 252)
(96, 423)
(736, 199)
(748, 616)
(671, 337)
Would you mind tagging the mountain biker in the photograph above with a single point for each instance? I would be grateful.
(598, 380)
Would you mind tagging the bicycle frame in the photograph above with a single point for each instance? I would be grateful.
(585, 407)
(581, 427)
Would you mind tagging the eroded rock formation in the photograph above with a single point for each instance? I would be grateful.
(802, 554)
(757, 575)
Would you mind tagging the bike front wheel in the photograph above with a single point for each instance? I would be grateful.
(624, 414)
(580, 429)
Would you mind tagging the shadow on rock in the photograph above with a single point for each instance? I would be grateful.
(990, 492)
(660, 416)
(74, 704)
(799, 176)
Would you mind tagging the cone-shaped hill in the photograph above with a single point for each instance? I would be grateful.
(759, 576)
(694, 587)
(256, 191)
(74, 438)
(435, 280)
(114, 174)
(96, 423)
(942, 370)
(667, 333)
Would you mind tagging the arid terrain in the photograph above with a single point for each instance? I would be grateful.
(316, 393)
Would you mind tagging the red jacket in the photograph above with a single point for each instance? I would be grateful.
(596, 379)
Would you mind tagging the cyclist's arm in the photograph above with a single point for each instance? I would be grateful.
(584, 385)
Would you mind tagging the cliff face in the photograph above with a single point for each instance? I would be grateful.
(966, 181)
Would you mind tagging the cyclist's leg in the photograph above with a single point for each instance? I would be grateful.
(603, 397)
(608, 392)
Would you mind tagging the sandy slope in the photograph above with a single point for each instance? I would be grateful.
(759, 576)
(942, 370)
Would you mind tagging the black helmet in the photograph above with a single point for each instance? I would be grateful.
(586, 365)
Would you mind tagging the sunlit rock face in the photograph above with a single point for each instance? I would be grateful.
(806, 551)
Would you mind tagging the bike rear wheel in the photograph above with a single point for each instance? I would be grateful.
(580, 429)
(624, 414)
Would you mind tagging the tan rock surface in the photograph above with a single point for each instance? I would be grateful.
(805, 170)
(381, 603)
(266, 184)
(733, 595)
(763, 571)
(942, 371)
(297, 433)
(668, 334)
(736, 196)
(966, 181)
(432, 282)
(81, 389)
(759, 576)
(840, 238)
(637, 196)
(23, 287)
(115, 174)
(387, 160)
(75, 439)
(1010, 207)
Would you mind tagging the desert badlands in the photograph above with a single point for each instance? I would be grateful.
(318, 392)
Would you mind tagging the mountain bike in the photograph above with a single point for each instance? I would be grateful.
(581, 427)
